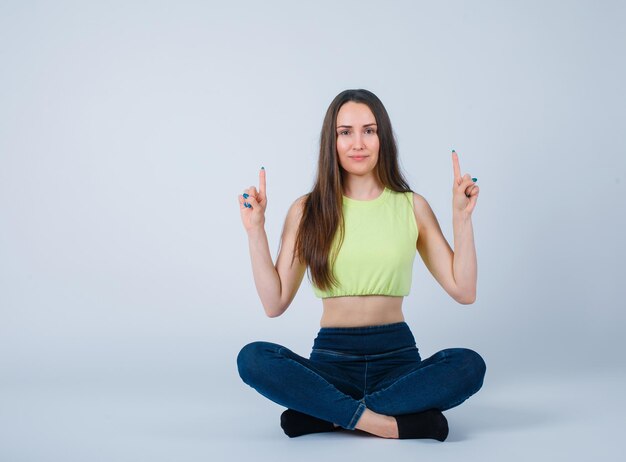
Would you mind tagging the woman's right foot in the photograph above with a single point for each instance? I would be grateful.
(296, 423)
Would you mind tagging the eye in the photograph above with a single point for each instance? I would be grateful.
(370, 131)
(343, 132)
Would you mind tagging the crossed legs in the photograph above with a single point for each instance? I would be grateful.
(414, 400)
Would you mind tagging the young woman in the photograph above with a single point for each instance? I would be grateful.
(357, 232)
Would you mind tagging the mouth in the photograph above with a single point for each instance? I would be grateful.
(358, 157)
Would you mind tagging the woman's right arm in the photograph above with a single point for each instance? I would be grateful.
(276, 285)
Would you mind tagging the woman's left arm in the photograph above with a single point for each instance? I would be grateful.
(455, 271)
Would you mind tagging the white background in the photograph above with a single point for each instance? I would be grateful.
(127, 130)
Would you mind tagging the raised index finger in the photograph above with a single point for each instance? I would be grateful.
(455, 165)
(262, 181)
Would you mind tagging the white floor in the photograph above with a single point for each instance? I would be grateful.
(569, 419)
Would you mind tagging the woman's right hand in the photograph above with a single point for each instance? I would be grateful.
(253, 216)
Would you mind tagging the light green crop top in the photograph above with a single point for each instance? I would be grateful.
(379, 247)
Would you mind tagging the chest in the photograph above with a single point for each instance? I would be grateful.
(386, 236)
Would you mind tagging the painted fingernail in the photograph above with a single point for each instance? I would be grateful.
(474, 180)
(245, 196)
(453, 150)
(262, 168)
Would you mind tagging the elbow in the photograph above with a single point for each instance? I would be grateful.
(466, 299)
(275, 311)
(273, 314)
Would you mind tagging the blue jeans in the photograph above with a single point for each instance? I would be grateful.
(354, 368)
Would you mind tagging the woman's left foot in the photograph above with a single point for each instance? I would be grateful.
(427, 424)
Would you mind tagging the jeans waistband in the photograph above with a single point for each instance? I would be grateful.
(365, 340)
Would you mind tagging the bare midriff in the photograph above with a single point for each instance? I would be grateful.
(360, 311)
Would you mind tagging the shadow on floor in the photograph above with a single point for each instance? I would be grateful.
(490, 418)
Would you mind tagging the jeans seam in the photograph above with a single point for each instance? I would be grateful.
(373, 356)
(365, 378)
(357, 415)
(335, 353)
(391, 326)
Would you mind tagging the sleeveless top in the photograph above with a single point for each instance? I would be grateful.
(379, 247)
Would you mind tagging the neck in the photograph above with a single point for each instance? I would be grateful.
(362, 188)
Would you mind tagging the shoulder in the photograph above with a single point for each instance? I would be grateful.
(296, 209)
(299, 203)
(421, 208)
(419, 203)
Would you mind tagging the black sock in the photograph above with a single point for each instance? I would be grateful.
(427, 424)
(296, 423)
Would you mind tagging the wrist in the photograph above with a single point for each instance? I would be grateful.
(461, 216)
(255, 231)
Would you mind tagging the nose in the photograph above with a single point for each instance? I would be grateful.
(358, 142)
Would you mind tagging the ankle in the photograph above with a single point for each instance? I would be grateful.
(378, 424)
(393, 427)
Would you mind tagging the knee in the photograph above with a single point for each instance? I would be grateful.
(473, 367)
(250, 361)
(477, 368)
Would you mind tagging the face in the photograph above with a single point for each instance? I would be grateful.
(357, 138)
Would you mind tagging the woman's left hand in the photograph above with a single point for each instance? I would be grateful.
(464, 191)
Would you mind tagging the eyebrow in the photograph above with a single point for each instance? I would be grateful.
(350, 126)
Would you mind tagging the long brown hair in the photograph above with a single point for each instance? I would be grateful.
(322, 214)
